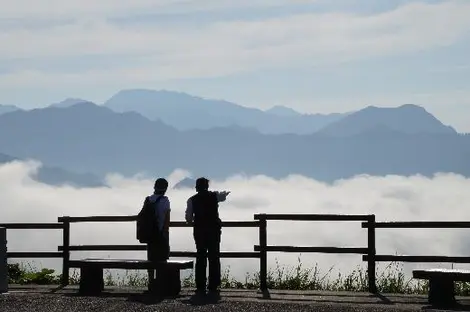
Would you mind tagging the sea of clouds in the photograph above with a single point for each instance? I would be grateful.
(390, 198)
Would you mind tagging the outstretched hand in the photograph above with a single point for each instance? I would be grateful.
(222, 195)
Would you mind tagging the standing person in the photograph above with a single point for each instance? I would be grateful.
(202, 211)
(153, 223)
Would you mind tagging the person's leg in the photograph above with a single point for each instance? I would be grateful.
(150, 257)
(161, 254)
(201, 262)
(166, 250)
(162, 247)
(214, 261)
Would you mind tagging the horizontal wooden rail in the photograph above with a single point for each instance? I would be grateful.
(31, 226)
(420, 225)
(104, 247)
(98, 219)
(32, 254)
(191, 254)
(311, 217)
(253, 224)
(223, 254)
(338, 250)
(421, 259)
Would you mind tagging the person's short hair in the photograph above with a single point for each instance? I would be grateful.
(161, 185)
(202, 184)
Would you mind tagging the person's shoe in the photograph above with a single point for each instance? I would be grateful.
(199, 297)
(213, 294)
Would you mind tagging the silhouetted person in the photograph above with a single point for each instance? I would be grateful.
(203, 212)
(154, 224)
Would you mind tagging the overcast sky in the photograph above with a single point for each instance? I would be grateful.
(312, 55)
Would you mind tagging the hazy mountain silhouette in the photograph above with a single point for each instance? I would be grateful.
(283, 111)
(7, 108)
(84, 136)
(68, 102)
(185, 112)
(90, 138)
(58, 176)
(185, 183)
(410, 119)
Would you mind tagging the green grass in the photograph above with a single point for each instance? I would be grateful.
(390, 279)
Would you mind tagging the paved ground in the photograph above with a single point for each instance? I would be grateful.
(43, 299)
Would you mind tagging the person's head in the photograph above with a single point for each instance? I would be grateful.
(202, 184)
(161, 185)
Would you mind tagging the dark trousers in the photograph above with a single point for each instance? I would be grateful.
(207, 248)
(158, 250)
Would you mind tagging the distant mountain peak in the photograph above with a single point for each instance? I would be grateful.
(185, 183)
(283, 111)
(68, 102)
(188, 112)
(412, 107)
(401, 107)
(407, 118)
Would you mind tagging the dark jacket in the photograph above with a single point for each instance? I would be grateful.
(205, 208)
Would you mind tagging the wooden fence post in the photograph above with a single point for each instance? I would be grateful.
(3, 261)
(263, 264)
(66, 251)
(371, 253)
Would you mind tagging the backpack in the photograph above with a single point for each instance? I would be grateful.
(147, 222)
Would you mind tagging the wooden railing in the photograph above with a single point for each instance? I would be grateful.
(261, 250)
(417, 225)
(66, 248)
(264, 248)
(33, 226)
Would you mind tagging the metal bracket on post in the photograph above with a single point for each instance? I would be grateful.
(3, 260)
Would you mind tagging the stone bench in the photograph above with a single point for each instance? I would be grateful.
(441, 284)
(168, 280)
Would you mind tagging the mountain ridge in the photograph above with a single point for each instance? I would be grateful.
(90, 138)
(188, 112)
(183, 111)
(68, 102)
(406, 118)
(8, 108)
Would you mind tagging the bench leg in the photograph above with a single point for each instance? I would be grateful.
(441, 292)
(91, 281)
(167, 282)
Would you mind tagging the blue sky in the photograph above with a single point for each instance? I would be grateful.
(311, 55)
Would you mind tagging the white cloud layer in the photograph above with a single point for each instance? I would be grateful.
(391, 198)
(155, 52)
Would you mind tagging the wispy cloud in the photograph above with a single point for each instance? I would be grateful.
(220, 48)
(116, 8)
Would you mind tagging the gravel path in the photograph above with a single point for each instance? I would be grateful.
(131, 300)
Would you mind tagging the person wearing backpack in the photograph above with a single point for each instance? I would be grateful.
(153, 223)
(202, 211)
